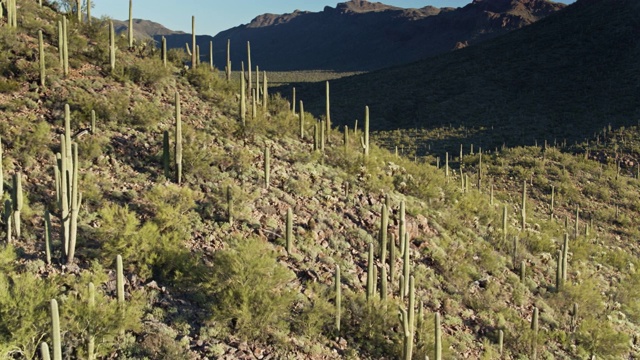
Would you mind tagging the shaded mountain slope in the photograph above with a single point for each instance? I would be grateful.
(563, 77)
(361, 35)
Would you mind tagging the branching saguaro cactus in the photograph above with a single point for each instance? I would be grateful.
(364, 140)
(178, 140)
(76, 201)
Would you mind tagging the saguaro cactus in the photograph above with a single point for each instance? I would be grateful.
(328, 112)
(91, 346)
(178, 140)
(438, 338)
(364, 140)
(408, 321)
(41, 59)
(250, 84)
(76, 201)
(524, 205)
(163, 53)
(265, 91)
(228, 67)
(243, 98)
(534, 338)
(16, 199)
(211, 55)
(289, 231)
(194, 58)
(47, 235)
(55, 331)
(44, 349)
(370, 274)
(166, 154)
(112, 47)
(1, 170)
(338, 290)
(301, 120)
(293, 102)
(267, 166)
(65, 47)
(130, 29)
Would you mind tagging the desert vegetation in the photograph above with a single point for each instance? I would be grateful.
(154, 210)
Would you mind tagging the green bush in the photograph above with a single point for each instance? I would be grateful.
(250, 290)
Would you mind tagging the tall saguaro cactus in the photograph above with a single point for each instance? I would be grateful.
(130, 29)
(243, 98)
(438, 338)
(301, 120)
(250, 79)
(76, 201)
(289, 231)
(364, 140)
(265, 91)
(370, 273)
(178, 140)
(16, 199)
(164, 51)
(65, 46)
(328, 113)
(338, 291)
(524, 205)
(112, 47)
(408, 321)
(194, 59)
(55, 331)
(228, 67)
(41, 59)
(211, 55)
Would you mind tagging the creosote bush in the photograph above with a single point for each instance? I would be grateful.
(250, 291)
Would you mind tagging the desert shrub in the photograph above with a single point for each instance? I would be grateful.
(147, 71)
(598, 338)
(142, 246)
(250, 290)
(369, 325)
(317, 314)
(104, 321)
(24, 303)
(208, 83)
(146, 114)
(173, 208)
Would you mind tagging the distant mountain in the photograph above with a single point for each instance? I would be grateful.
(360, 35)
(144, 29)
(563, 77)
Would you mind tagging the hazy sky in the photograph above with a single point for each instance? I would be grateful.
(213, 16)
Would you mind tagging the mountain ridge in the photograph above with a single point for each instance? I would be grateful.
(364, 36)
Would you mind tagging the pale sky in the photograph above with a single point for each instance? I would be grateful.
(213, 16)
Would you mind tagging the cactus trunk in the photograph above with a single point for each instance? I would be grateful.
(178, 140)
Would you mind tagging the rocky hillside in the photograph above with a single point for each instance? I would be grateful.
(359, 35)
(158, 220)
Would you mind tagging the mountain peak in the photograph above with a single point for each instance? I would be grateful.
(362, 6)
